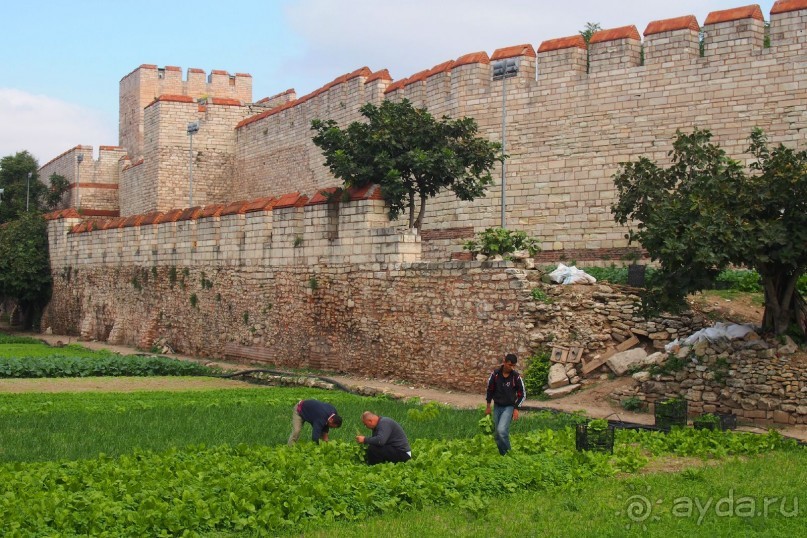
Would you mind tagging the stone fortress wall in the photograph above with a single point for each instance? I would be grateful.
(328, 283)
(95, 181)
(567, 130)
(273, 265)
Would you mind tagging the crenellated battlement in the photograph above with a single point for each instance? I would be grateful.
(292, 229)
(568, 124)
(573, 113)
(148, 82)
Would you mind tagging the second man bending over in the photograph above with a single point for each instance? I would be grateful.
(322, 417)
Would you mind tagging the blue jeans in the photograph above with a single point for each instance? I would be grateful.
(502, 417)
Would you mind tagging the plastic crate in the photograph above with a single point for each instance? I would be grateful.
(669, 413)
(728, 421)
(594, 440)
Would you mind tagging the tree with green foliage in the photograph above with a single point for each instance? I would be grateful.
(705, 213)
(22, 193)
(410, 154)
(25, 265)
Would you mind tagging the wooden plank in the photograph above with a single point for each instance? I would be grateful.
(593, 364)
(627, 344)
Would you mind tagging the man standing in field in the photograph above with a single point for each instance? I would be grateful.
(322, 417)
(388, 443)
(506, 390)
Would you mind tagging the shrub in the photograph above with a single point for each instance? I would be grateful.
(536, 374)
(672, 364)
(739, 280)
(632, 404)
(500, 241)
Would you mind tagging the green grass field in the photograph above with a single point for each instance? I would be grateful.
(39, 427)
(214, 463)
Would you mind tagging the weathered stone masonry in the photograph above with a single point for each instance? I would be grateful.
(330, 285)
(320, 283)
(568, 129)
(299, 282)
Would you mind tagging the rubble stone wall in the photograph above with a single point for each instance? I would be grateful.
(751, 378)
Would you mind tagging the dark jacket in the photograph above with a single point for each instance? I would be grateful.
(505, 391)
(317, 413)
(388, 433)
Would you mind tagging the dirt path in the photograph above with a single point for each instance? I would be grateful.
(593, 399)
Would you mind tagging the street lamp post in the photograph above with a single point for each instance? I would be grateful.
(28, 191)
(79, 158)
(193, 128)
(502, 70)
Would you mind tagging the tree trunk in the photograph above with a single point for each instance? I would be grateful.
(411, 210)
(421, 213)
(784, 306)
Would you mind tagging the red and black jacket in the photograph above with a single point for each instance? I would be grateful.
(505, 391)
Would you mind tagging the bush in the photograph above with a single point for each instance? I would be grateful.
(738, 280)
(612, 274)
(536, 375)
(539, 295)
(500, 241)
(632, 404)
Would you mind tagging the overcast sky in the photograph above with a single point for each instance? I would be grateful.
(61, 62)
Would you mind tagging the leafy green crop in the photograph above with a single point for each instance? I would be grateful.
(22, 350)
(11, 339)
(58, 365)
(262, 489)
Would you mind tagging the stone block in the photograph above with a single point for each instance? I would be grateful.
(623, 361)
(562, 391)
(557, 376)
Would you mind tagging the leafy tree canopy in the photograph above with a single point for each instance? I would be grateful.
(25, 264)
(705, 213)
(21, 193)
(409, 154)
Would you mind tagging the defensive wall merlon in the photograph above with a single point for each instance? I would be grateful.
(169, 80)
(147, 82)
(732, 32)
(637, 92)
(331, 227)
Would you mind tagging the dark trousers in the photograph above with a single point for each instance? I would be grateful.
(383, 454)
